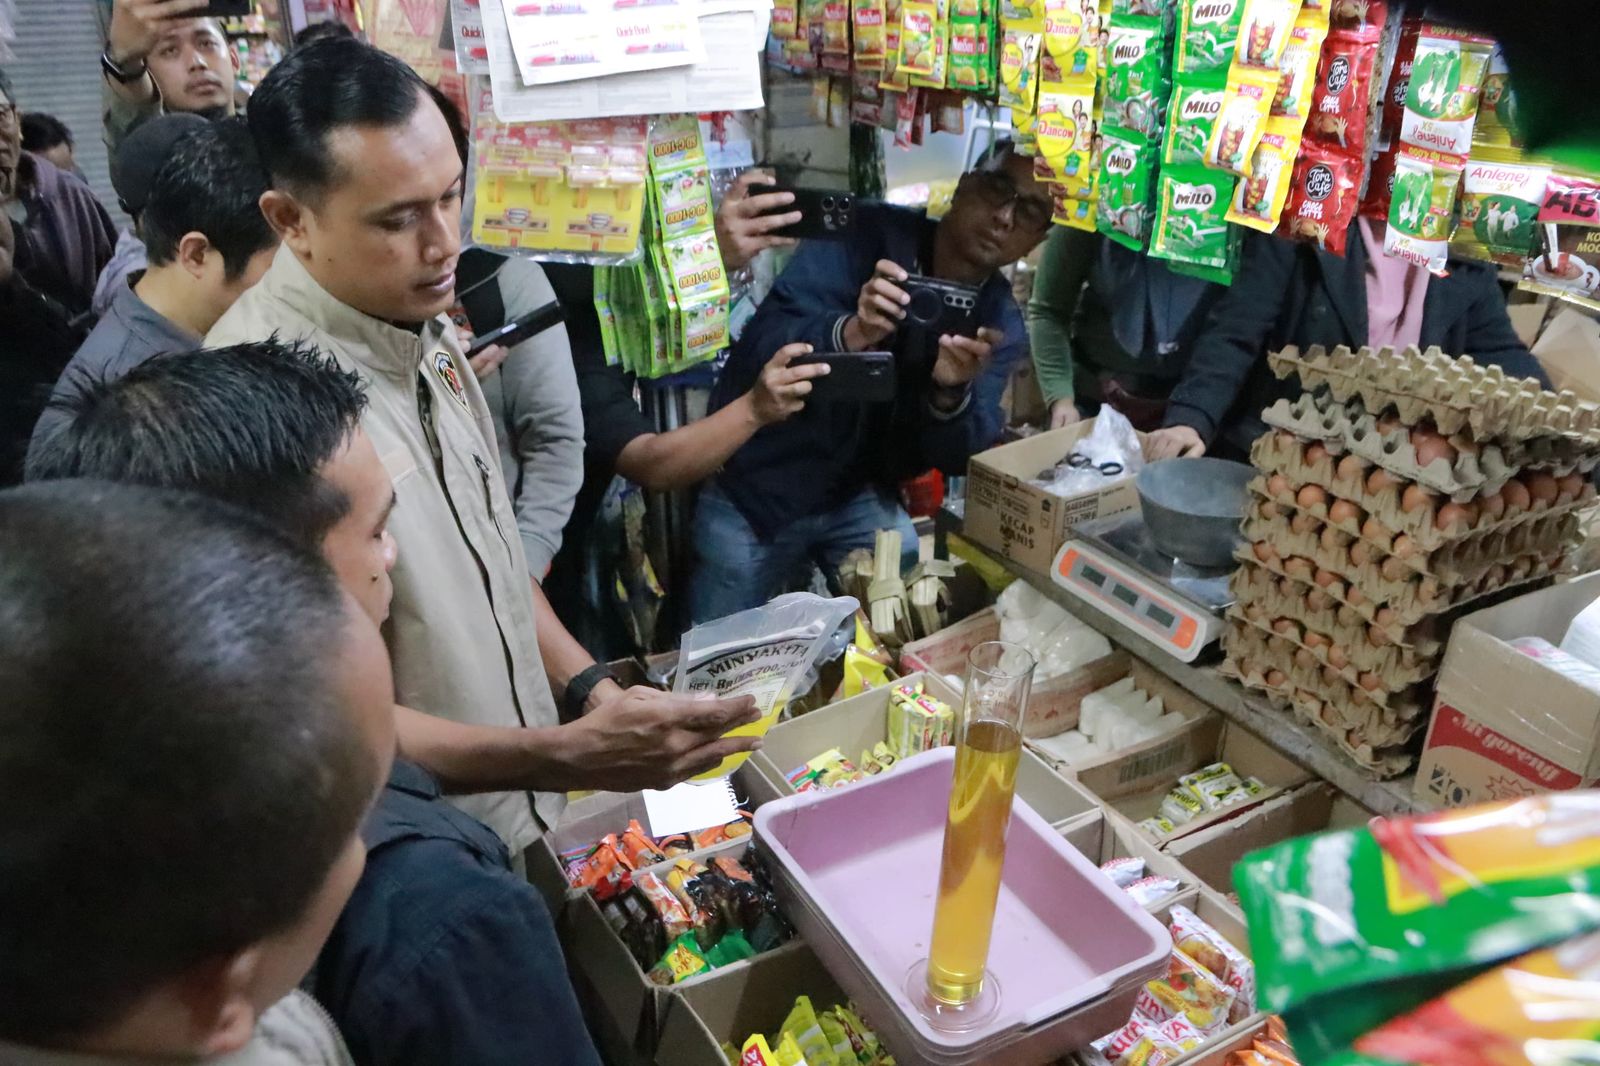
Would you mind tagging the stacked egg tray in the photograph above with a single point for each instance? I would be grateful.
(1367, 536)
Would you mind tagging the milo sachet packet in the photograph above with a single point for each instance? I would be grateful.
(1351, 928)
(1138, 74)
(1208, 34)
(1191, 224)
(1127, 180)
(1192, 116)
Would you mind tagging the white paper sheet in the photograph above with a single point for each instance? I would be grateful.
(569, 40)
(728, 80)
(690, 807)
(467, 19)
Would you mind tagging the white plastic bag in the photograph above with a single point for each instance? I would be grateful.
(1112, 443)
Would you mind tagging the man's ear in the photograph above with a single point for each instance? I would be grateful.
(288, 218)
(218, 994)
(193, 248)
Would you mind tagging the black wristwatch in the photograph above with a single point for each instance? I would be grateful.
(580, 688)
(120, 74)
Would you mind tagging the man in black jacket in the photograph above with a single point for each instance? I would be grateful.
(1294, 294)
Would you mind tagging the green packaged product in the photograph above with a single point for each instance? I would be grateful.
(1191, 224)
(1191, 117)
(1500, 200)
(1138, 74)
(1352, 928)
(1209, 34)
(1127, 184)
(683, 201)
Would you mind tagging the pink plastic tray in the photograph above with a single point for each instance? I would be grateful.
(857, 870)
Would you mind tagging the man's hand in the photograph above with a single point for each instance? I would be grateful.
(650, 739)
(1064, 413)
(782, 389)
(744, 227)
(880, 307)
(1176, 442)
(136, 25)
(488, 361)
(962, 359)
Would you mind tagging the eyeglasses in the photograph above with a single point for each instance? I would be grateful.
(8, 114)
(999, 192)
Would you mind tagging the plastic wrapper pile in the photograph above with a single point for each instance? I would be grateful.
(1407, 486)
(837, 1037)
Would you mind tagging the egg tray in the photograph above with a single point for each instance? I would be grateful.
(1381, 760)
(1346, 429)
(1325, 609)
(1392, 681)
(1262, 603)
(1438, 579)
(1274, 455)
(1255, 655)
(1409, 609)
(1455, 393)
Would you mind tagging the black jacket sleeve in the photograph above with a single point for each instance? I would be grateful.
(1235, 338)
(1491, 339)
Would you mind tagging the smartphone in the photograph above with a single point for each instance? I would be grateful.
(940, 306)
(227, 9)
(853, 377)
(518, 330)
(825, 214)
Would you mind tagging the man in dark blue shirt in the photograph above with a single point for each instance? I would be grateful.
(815, 488)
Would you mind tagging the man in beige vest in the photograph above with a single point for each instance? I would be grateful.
(366, 194)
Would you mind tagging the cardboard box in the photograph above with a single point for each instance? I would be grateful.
(1505, 725)
(1134, 782)
(1211, 853)
(861, 721)
(1009, 514)
(1107, 671)
(1114, 837)
(730, 1005)
(1053, 707)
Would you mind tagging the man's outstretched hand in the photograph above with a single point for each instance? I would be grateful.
(745, 228)
(645, 738)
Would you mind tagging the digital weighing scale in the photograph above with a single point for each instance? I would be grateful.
(1113, 565)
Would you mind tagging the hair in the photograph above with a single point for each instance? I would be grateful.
(41, 132)
(318, 90)
(452, 118)
(994, 157)
(211, 184)
(253, 424)
(329, 30)
(181, 770)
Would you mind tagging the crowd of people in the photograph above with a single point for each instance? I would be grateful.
(286, 666)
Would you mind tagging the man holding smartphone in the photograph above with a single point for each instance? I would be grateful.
(815, 488)
(165, 55)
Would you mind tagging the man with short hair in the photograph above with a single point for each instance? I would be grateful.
(162, 57)
(443, 952)
(48, 137)
(366, 194)
(814, 488)
(164, 886)
(193, 188)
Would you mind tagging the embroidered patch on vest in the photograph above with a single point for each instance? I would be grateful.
(446, 369)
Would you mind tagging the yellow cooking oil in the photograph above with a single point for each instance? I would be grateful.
(974, 851)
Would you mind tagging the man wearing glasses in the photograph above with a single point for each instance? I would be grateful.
(813, 489)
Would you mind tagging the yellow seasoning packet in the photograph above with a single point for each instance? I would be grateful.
(757, 1052)
(1259, 200)
(918, 26)
(802, 1027)
(1245, 106)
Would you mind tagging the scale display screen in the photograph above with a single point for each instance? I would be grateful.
(1093, 576)
(1126, 595)
(1165, 619)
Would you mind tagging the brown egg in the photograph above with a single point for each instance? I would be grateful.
(1278, 485)
(1316, 451)
(1276, 678)
(1348, 617)
(1452, 515)
(1315, 639)
(1286, 439)
(1264, 551)
(1375, 531)
(1428, 589)
(1393, 569)
(1492, 506)
(1542, 488)
(1354, 596)
(1299, 566)
(1269, 510)
(1370, 681)
(1333, 538)
(1569, 487)
(1516, 496)
(1330, 676)
(1344, 512)
(1325, 578)
(1351, 468)
(1379, 480)
(1255, 612)
(1316, 600)
(1415, 498)
(1404, 546)
(1378, 637)
(1304, 659)
(1310, 496)
(1303, 523)
(1287, 588)
(1361, 553)
(1287, 627)
(1337, 656)
(1431, 447)
(1384, 617)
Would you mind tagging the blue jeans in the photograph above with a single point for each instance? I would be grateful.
(734, 570)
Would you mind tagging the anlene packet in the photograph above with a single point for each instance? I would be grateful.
(1442, 99)
(1351, 928)
(1500, 199)
(1423, 208)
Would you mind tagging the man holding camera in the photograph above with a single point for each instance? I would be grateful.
(815, 488)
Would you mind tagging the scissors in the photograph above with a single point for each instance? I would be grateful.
(1079, 461)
